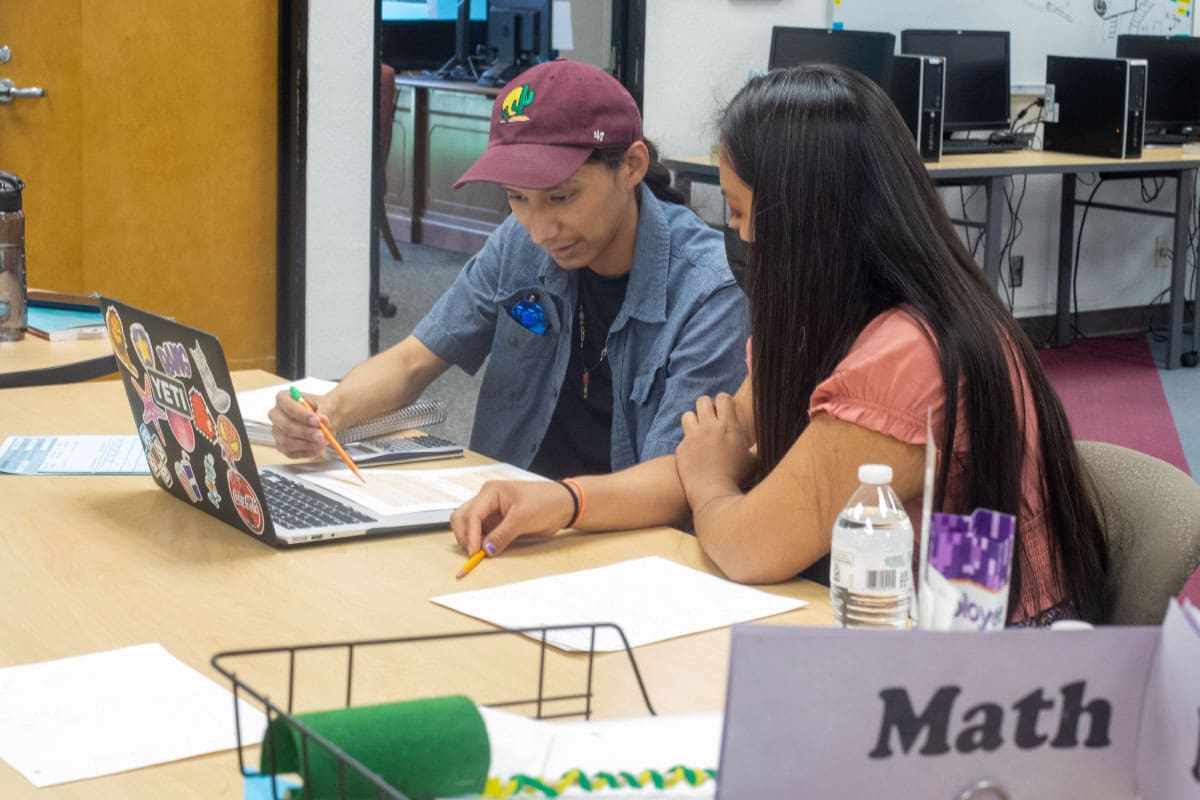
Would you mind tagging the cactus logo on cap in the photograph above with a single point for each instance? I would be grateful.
(515, 103)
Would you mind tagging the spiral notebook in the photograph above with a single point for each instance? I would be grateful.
(256, 404)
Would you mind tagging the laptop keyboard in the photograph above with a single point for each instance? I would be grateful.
(961, 146)
(293, 505)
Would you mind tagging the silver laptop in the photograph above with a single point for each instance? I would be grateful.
(187, 417)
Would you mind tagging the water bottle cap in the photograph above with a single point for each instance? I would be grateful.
(10, 191)
(875, 474)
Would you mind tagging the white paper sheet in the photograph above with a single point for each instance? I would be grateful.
(107, 712)
(73, 455)
(255, 404)
(651, 598)
(408, 491)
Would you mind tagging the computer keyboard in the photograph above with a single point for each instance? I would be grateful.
(1170, 138)
(293, 505)
(961, 146)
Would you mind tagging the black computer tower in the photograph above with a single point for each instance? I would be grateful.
(918, 88)
(1095, 106)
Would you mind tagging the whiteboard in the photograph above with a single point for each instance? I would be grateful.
(1038, 27)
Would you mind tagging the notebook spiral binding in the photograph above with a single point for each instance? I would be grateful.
(357, 656)
(417, 415)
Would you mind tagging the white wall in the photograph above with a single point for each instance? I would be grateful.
(696, 58)
(699, 52)
(338, 214)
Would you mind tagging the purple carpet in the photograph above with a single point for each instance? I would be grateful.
(1112, 393)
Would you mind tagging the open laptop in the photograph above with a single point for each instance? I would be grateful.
(187, 417)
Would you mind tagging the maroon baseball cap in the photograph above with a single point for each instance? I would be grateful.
(549, 119)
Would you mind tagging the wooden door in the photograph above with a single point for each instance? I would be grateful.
(150, 165)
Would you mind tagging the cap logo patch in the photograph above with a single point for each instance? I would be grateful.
(515, 103)
(598, 136)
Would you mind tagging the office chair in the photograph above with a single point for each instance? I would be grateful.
(1153, 511)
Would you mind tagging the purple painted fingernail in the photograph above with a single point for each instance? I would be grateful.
(491, 548)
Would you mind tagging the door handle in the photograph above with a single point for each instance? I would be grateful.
(8, 91)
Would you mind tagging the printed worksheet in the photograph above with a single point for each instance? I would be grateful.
(73, 455)
(651, 599)
(406, 491)
(96, 714)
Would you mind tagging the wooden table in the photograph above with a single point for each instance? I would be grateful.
(989, 171)
(34, 360)
(94, 563)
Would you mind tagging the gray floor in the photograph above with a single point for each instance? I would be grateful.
(413, 285)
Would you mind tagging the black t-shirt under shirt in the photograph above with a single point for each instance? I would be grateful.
(579, 439)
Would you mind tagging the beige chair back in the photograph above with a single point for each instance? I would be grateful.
(1153, 511)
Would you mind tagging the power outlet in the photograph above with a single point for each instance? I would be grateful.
(1162, 252)
(1016, 271)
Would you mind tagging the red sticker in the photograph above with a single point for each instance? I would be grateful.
(246, 502)
(231, 442)
(204, 420)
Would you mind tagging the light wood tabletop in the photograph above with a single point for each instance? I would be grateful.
(93, 563)
(33, 352)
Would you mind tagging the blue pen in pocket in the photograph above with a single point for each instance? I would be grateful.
(529, 314)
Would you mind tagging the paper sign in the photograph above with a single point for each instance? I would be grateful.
(1168, 763)
(859, 713)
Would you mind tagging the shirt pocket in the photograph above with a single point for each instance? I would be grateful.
(520, 360)
(648, 387)
(514, 340)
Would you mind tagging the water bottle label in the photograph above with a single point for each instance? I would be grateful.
(870, 573)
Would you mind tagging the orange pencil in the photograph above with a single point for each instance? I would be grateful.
(472, 562)
(337, 448)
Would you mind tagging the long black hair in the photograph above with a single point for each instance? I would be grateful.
(657, 179)
(847, 225)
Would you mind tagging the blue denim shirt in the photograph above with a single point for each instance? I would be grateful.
(681, 333)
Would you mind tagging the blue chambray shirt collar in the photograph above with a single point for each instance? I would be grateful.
(646, 295)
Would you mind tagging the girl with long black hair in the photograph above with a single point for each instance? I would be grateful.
(867, 312)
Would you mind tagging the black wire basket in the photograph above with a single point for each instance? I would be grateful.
(563, 686)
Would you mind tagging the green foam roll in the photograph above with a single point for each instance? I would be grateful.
(437, 747)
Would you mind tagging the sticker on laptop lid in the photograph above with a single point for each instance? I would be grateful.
(220, 398)
(140, 339)
(203, 418)
(116, 338)
(210, 480)
(245, 501)
(231, 441)
(187, 479)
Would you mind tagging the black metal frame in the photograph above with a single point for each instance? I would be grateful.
(347, 764)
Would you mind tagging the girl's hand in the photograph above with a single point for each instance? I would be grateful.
(714, 457)
(506, 510)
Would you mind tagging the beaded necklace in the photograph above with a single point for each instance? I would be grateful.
(587, 371)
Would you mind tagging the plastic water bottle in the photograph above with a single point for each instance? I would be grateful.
(870, 575)
(12, 259)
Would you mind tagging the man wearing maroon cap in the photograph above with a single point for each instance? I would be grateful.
(605, 310)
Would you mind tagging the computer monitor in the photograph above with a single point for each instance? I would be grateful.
(869, 52)
(445, 10)
(417, 36)
(1172, 80)
(977, 64)
(519, 32)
